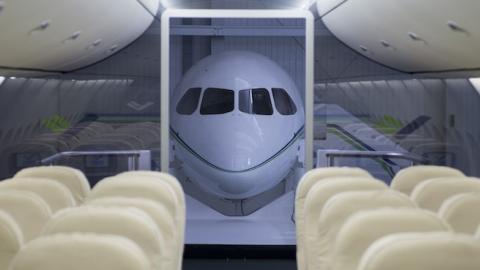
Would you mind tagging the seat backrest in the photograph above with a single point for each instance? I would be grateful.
(11, 239)
(131, 223)
(80, 252)
(29, 211)
(140, 187)
(406, 179)
(432, 193)
(338, 209)
(72, 178)
(56, 195)
(421, 251)
(307, 181)
(462, 212)
(160, 176)
(365, 227)
(319, 194)
(180, 195)
(162, 218)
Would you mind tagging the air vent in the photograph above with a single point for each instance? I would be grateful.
(95, 44)
(41, 27)
(73, 37)
(113, 48)
(454, 26)
(414, 36)
(385, 43)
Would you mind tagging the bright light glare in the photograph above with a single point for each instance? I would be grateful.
(307, 4)
(2, 79)
(476, 84)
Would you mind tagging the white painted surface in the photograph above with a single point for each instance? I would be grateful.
(64, 35)
(474, 81)
(271, 225)
(410, 35)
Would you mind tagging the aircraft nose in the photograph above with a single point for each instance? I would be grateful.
(233, 149)
(234, 143)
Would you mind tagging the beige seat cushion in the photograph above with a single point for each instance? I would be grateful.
(141, 187)
(81, 252)
(462, 212)
(319, 194)
(72, 178)
(29, 211)
(338, 209)
(365, 227)
(423, 251)
(180, 195)
(406, 179)
(162, 218)
(307, 181)
(56, 195)
(131, 223)
(11, 239)
(432, 193)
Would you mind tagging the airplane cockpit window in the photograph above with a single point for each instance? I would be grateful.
(217, 101)
(189, 102)
(255, 101)
(283, 102)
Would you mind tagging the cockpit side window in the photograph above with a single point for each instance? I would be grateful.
(255, 101)
(189, 102)
(217, 101)
(283, 102)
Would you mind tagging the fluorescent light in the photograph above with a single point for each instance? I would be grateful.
(476, 84)
(13, 78)
(2, 79)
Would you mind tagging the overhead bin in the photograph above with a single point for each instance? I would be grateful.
(409, 35)
(64, 35)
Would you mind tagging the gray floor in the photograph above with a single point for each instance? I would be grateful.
(239, 264)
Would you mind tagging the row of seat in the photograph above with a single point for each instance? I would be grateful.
(342, 214)
(134, 220)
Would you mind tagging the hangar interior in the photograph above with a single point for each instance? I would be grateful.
(365, 102)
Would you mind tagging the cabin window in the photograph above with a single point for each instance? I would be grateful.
(255, 101)
(217, 101)
(283, 102)
(189, 102)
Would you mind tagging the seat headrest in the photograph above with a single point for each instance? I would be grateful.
(406, 179)
(432, 193)
(357, 233)
(128, 222)
(29, 211)
(162, 218)
(315, 175)
(420, 251)
(11, 239)
(56, 195)
(80, 252)
(339, 208)
(462, 212)
(72, 178)
(160, 176)
(158, 191)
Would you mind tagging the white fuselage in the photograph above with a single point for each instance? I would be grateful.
(237, 154)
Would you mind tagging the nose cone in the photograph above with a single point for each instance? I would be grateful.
(237, 142)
